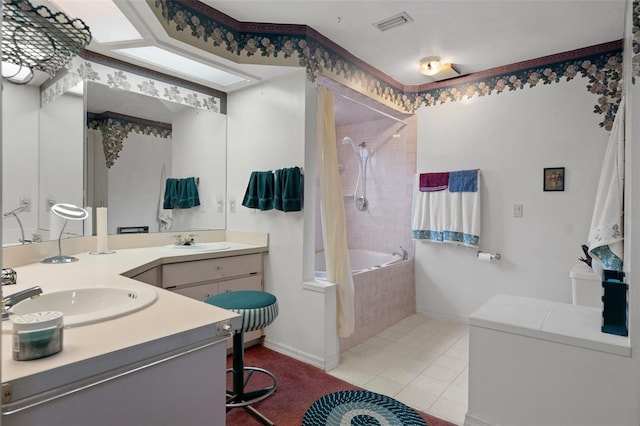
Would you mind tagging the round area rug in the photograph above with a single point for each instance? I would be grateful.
(360, 408)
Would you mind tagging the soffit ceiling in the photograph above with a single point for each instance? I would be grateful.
(475, 35)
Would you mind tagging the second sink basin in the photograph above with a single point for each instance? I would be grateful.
(83, 306)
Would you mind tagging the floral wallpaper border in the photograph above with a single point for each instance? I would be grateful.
(118, 74)
(116, 127)
(600, 65)
(280, 44)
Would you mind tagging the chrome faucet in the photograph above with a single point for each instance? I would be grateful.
(9, 301)
(189, 240)
(22, 207)
(404, 254)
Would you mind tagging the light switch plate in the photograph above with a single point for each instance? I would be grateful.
(518, 210)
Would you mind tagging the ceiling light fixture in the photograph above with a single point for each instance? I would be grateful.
(430, 65)
(435, 68)
(394, 21)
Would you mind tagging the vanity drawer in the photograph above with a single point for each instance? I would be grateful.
(201, 271)
(253, 282)
(198, 292)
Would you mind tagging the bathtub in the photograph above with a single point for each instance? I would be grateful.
(361, 261)
(384, 292)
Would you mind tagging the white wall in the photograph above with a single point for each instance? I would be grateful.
(271, 126)
(20, 157)
(511, 137)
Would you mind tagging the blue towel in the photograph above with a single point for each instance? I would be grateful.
(463, 181)
(259, 193)
(288, 189)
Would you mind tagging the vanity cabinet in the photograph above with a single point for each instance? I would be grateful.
(150, 276)
(200, 279)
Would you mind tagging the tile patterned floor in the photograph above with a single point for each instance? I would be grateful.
(420, 361)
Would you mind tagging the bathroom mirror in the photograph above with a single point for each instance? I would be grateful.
(132, 186)
(42, 159)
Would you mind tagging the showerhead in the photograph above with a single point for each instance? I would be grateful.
(347, 140)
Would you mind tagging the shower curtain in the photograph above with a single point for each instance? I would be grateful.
(334, 223)
(606, 233)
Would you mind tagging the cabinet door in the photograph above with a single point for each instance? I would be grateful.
(198, 292)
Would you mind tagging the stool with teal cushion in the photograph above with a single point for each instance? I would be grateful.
(258, 309)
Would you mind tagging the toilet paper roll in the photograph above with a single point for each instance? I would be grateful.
(101, 230)
(485, 257)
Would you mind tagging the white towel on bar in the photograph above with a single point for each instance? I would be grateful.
(606, 232)
(448, 217)
(165, 216)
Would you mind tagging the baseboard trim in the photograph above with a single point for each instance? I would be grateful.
(441, 315)
(471, 420)
(296, 354)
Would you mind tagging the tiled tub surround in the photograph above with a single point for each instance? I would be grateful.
(383, 297)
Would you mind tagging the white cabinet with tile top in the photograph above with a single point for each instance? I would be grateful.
(534, 361)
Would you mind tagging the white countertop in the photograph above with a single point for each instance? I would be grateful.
(171, 322)
(553, 321)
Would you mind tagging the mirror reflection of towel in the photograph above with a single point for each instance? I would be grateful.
(181, 193)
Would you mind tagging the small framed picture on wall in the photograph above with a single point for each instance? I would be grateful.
(554, 179)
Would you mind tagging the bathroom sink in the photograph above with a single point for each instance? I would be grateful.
(201, 247)
(84, 306)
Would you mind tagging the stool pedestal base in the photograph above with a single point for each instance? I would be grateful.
(237, 397)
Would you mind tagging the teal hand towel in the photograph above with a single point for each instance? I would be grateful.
(277, 194)
(259, 193)
(289, 188)
(250, 199)
(170, 194)
(265, 190)
(188, 193)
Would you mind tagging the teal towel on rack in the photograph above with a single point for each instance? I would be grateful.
(289, 189)
(259, 193)
(170, 194)
(188, 193)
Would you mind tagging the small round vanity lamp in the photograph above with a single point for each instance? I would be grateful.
(67, 212)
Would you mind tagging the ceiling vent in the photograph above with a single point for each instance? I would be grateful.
(394, 21)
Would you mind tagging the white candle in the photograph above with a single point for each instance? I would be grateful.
(101, 230)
